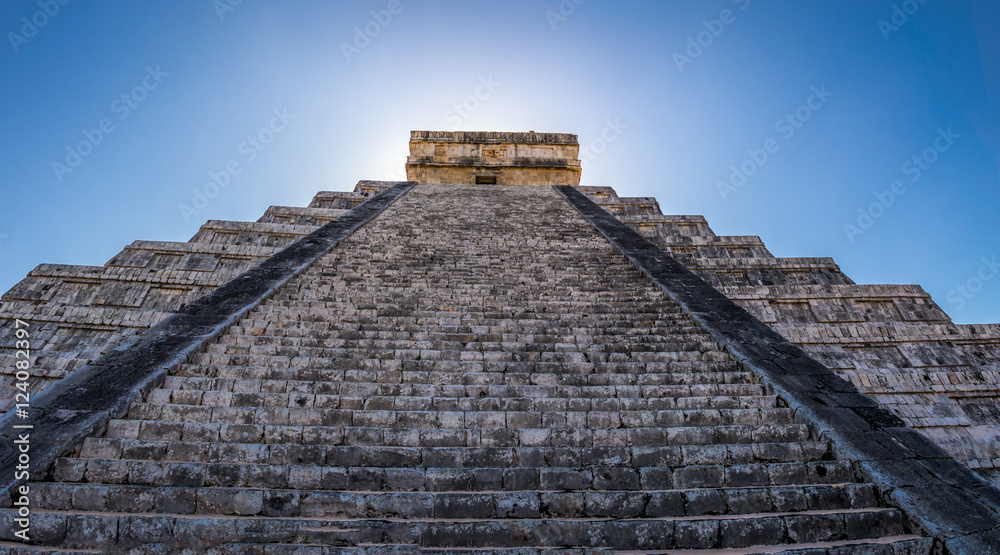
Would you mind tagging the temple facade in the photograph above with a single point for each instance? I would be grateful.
(490, 357)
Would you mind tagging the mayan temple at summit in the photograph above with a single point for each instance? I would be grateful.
(491, 358)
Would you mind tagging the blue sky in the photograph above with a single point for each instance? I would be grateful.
(870, 128)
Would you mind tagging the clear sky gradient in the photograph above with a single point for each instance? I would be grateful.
(865, 130)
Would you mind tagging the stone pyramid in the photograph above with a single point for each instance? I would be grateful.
(490, 358)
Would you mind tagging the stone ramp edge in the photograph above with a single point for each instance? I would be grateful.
(81, 404)
(953, 504)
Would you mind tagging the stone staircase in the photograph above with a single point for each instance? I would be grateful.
(475, 370)
(81, 312)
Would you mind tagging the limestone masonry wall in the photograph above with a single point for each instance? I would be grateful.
(493, 157)
(893, 342)
(80, 312)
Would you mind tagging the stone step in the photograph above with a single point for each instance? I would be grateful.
(587, 324)
(300, 396)
(582, 314)
(489, 434)
(271, 357)
(400, 340)
(380, 283)
(692, 466)
(230, 422)
(229, 380)
(458, 295)
(528, 383)
(432, 479)
(503, 457)
(455, 293)
(243, 397)
(582, 317)
(280, 502)
(307, 366)
(633, 364)
(292, 549)
(356, 323)
(371, 321)
(332, 382)
(90, 529)
(18, 548)
(323, 328)
(752, 457)
(474, 304)
(907, 544)
(474, 362)
(319, 347)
